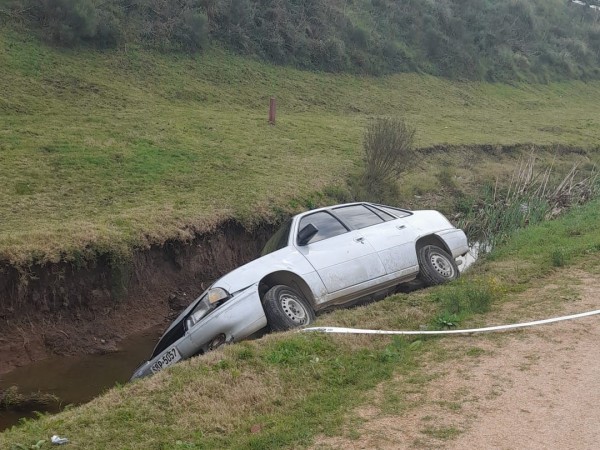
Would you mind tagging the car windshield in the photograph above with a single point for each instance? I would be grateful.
(279, 240)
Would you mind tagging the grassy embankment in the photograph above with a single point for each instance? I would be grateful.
(286, 389)
(103, 151)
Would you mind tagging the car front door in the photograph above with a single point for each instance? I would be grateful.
(341, 257)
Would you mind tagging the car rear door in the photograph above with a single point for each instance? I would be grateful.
(341, 257)
(392, 238)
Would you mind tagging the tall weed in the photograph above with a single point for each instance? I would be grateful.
(530, 198)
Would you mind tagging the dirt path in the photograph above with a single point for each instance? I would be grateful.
(548, 392)
(536, 389)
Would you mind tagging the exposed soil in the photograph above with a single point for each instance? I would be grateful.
(87, 307)
(67, 309)
(535, 389)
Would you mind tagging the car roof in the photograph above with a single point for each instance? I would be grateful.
(329, 208)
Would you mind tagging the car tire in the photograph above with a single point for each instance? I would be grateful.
(436, 266)
(286, 309)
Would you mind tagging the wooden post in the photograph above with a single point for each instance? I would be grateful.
(272, 108)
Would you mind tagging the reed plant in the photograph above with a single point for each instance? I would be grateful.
(532, 196)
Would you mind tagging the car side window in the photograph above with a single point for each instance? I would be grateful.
(327, 225)
(357, 216)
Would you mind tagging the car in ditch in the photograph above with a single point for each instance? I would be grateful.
(321, 258)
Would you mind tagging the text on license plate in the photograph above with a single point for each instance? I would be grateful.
(168, 358)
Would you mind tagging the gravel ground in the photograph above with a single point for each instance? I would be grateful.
(534, 389)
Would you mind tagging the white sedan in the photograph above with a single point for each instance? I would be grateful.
(324, 257)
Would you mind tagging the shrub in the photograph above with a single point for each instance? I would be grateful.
(109, 31)
(191, 31)
(388, 147)
(12, 11)
(359, 37)
(171, 25)
(69, 21)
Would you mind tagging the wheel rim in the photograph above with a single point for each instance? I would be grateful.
(294, 309)
(441, 265)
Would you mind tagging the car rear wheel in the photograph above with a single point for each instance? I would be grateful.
(436, 266)
(286, 309)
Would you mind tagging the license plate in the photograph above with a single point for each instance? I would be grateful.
(168, 358)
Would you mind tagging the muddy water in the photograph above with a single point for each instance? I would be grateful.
(78, 379)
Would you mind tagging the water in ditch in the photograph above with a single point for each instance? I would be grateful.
(77, 379)
(472, 255)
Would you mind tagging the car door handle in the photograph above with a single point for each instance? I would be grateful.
(360, 240)
(401, 227)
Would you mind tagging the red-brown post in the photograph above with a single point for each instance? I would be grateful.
(272, 108)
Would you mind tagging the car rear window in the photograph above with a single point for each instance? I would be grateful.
(327, 225)
(386, 216)
(357, 216)
(394, 211)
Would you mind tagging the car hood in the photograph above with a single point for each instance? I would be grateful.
(255, 270)
(246, 276)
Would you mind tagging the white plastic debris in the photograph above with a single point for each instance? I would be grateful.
(57, 440)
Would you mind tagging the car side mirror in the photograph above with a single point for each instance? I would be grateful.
(306, 234)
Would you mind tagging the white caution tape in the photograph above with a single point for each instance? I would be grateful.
(469, 331)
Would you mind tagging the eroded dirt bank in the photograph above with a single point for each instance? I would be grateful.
(64, 309)
(67, 308)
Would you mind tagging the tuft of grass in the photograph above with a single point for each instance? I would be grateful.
(475, 352)
(558, 257)
(442, 433)
(465, 297)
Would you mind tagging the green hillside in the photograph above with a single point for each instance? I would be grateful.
(489, 40)
(106, 150)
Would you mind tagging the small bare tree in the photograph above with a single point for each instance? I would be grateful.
(388, 146)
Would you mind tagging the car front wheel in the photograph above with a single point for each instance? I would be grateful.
(436, 265)
(286, 309)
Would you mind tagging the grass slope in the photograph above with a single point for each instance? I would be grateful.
(102, 151)
(285, 389)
